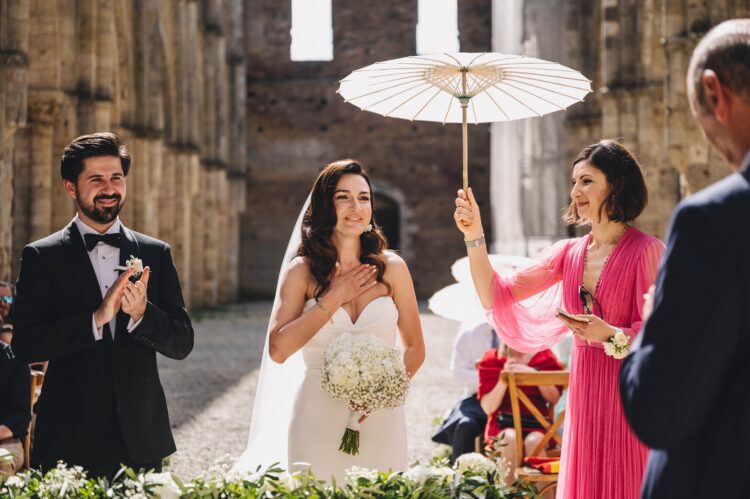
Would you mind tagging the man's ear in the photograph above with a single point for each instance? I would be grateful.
(70, 188)
(717, 96)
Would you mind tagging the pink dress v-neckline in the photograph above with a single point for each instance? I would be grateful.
(601, 457)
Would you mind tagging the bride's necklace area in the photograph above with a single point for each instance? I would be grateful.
(604, 264)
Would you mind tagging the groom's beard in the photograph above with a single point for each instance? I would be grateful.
(101, 214)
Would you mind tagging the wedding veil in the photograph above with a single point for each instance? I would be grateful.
(277, 386)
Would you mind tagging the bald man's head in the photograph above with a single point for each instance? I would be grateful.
(725, 50)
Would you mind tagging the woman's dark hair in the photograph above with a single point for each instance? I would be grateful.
(320, 219)
(628, 195)
(87, 146)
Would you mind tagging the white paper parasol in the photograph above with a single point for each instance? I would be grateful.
(464, 88)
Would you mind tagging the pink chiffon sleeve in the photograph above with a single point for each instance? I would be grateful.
(524, 305)
(648, 266)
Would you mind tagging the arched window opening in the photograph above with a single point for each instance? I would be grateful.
(388, 217)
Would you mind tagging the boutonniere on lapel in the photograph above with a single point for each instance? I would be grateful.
(133, 263)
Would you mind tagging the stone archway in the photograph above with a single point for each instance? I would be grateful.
(388, 217)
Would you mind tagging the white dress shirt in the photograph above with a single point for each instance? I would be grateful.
(104, 258)
(468, 348)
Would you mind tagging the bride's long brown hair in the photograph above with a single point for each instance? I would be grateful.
(320, 219)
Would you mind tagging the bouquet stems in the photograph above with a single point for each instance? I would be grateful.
(350, 440)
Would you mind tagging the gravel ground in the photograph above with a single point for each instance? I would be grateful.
(210, 393)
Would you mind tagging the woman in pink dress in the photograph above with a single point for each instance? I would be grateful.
(599, 280)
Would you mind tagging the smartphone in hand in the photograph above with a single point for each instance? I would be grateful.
(571, 317)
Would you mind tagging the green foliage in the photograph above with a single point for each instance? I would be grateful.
(419, 482)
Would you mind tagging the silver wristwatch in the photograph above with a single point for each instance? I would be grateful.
(474, 243)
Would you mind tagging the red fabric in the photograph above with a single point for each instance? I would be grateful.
(490, 367)
(543, 464)
(536, 460)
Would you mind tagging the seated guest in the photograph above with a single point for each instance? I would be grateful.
(492, 397)
(466, 420)
(6, 301)
(15, 402)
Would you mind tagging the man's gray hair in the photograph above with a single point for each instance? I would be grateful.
(726, 51)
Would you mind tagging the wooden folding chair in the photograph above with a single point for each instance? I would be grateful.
(544, 482)
(37, 379)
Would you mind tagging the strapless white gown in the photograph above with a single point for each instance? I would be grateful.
(318, 421)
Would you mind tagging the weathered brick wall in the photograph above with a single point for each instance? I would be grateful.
(297, 124)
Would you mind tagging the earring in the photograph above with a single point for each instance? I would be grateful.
(369, 227)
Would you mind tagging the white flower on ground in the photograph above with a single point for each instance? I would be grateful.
(14, 481)
(620, 339)
(289, 481)
(244, 476)
(474, 464)
(443, 473)
(166, 487)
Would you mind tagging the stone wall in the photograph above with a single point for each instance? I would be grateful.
(637, 53)
(169, 78)
(297, 124)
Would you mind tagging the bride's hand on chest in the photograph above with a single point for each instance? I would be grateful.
(347, 286)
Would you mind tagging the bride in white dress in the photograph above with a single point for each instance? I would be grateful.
(342, 280)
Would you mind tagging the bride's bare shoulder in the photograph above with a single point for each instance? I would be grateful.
(299, 263)
(299, 276)
(298, 271)
(395, 266)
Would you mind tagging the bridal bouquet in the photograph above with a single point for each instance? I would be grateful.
(366, 373)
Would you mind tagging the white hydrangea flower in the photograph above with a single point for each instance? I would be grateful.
(443, 473)
(418, 474)
(356, 472)
(620, 339)
(474, 464)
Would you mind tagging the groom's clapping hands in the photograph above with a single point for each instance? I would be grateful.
(112, 300)
(134, 296)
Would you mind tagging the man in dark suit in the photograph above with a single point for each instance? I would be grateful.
(686, 388)
(102, 403)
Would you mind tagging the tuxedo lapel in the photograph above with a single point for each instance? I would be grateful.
(83, 272)
(128, 248)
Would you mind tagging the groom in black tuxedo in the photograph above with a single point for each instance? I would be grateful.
(102, 403)
(686, 389)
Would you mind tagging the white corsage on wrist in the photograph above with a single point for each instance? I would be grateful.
(618, 345)
(133, 263)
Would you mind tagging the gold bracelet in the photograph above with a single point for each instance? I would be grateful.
(328, 312)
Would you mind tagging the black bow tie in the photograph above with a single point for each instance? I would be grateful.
(93, 239)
